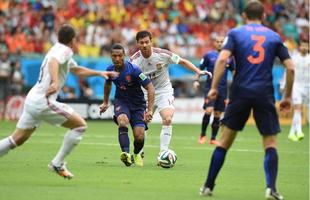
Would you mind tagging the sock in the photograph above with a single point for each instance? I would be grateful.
(215, 127)
(165, 137)
(71, 139)
(123, 139)
(216, 164)
(297, 120)
(6, 145)
(205, 123)
(138, 146)
(271, 167)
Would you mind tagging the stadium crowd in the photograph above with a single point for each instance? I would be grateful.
(184, 26)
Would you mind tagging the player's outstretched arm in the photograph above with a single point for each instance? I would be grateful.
(186, 63)
(106, 93)
(85, 72)
(285, 104)
(53, 70)
(150, 102)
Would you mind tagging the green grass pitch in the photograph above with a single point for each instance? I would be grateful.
(99, 174)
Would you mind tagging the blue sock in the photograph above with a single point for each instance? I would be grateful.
(123, 139)
(204, 124)
(271, 167)
(215, 127)
(138, 145)
(217, 162)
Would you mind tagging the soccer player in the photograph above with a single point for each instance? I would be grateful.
(254, 47)
(217, 106)
(129, 104)
(41, 105)
(154, 63)
(301, 89)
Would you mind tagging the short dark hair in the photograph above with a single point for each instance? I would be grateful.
(254, 10)
(118, 46)
(143, 34)
(66, 34)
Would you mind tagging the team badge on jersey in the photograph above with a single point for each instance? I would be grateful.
(142, 76)
(159, 66)
(128, 78)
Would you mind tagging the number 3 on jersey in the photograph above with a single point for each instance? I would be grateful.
(258, 48)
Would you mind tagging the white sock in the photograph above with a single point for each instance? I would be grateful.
(71, 139)
(297, 120)
(165, 137)
(6, 145)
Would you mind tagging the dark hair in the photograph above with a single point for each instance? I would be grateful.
(65, 34)
(118, 46)
(254, 10)
(143, 34)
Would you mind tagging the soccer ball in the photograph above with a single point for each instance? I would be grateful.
(167, 158)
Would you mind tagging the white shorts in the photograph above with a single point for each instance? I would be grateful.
(164, 100)
(53, 112)
(300, 95)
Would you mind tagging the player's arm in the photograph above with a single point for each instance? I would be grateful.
(285, 104)
(53, 68)
(150, 102)
(86, 72)
(187, 64)
(106, 93)
(219, 69)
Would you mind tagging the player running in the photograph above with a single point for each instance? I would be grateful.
(254, 47)
(129, 104)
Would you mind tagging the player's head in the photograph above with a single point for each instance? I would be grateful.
(304, 47)
(66, 35)
(218, 42)
(254, 10)
(144, 41)
(118, 55)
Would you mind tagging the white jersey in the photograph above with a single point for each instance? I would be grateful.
(302, 70)
(156, 67)
(63, 55)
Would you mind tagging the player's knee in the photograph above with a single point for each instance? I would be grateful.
(167, 120)
(209, 111)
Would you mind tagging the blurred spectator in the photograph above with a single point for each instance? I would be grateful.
(5, 77)
(17, 80)
(67, 93)
(85, 91)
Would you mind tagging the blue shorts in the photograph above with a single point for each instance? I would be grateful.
(264, 112)
(218, 104)
(135, 115)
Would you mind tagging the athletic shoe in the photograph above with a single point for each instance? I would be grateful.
(300, 135)
(213, 142)
(205, 191)
(61, 170)
(273, 195)
(292, 137)
(202, 139)
(138, 160)
(126, 158)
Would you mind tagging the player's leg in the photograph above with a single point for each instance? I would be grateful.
(219, 107)
(26, 125)
(235, 117)
(267, 122)
(138, 125)
(208, 107)
(164, 102)
(297, 121)
(297, 100)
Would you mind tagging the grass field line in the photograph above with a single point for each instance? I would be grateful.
(184, 147)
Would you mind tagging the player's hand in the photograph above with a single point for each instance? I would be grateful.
(148, 116)
(103, 107)
(108, 75)
(196, 85)
(201, 73)
(52, 89)
(285, 106)
(212, 94)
